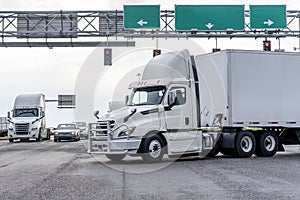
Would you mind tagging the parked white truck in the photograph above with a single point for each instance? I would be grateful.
(28, 118)
(235, 101)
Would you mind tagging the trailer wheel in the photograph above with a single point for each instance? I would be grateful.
(152, 149)
(115, 157)
(267, 144)
(245, 144)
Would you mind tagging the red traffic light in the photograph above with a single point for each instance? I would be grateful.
(107, 56)
(156, 52)
(107, 51)
(267, 45)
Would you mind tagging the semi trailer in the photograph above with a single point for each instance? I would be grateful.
(27, 119)
(3, 126)
(236, 102)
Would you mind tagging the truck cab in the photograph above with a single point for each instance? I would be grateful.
(27, 119)
(160, 117)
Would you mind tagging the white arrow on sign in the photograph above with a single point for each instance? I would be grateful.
(209, 25)
(269, 22)
(142, 22)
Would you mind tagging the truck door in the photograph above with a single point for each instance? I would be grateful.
(179, 123)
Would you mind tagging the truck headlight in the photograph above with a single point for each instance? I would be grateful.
(126, 133)
(35, 126)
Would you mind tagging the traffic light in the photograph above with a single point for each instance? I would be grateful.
(267, 45)
(216, 50)
(156, 52)
(107, 56)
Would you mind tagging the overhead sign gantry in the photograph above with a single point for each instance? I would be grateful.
(68, 28)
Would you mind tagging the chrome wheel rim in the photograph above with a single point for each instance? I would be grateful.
(246, 144)
(154, 148)
(269, 143)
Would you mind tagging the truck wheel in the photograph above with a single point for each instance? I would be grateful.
(152, 149)
(245, 144)
(39, 137)
(267, 144)
(55, 140)
(115, 157)
(11, 140)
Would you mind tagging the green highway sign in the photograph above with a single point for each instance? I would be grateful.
(209, 17)
(141, 16)
(267, 16)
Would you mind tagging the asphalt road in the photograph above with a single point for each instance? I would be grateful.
(48, 170)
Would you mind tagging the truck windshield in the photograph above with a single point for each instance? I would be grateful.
(147, 96)
(26, 112)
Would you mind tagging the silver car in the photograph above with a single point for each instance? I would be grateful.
(67, 131)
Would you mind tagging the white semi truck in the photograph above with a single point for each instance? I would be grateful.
(28, 118)
(235, 101)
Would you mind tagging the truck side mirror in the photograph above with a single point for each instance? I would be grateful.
(8, 115)
(96, 113)
(126, 99)
(172, 99)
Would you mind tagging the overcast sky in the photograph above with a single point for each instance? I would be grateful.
(55, 71)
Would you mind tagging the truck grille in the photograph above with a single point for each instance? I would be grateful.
(22, 129)
(101, 127)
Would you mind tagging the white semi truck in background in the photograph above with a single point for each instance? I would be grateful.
(235, 101)
(27, 119)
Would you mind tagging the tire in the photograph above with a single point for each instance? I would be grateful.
(55, 140)
(152, 149)
(267, 144)
(11, 140)
(39, 139)
(115, 157)
(245, 144)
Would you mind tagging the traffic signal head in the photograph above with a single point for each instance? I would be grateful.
(107, 56)
(156, 52)
(267, 45)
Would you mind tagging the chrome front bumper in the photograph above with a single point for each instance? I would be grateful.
(101, 142)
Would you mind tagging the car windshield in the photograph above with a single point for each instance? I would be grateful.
(66, 126)
(26, 112)
(147, 96)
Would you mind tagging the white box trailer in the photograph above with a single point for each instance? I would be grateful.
(260, 88)
(262, 99)
(234, 101)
